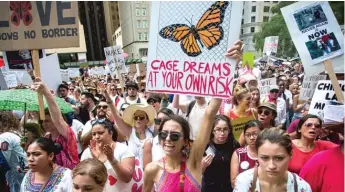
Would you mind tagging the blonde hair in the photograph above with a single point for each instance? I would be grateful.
(93, 168)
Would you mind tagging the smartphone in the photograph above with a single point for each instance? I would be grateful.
(210, 150)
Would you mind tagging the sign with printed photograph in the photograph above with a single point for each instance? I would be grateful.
(38, 25)
(271, 45)
(314, 31)
(187, 44)
(20, 59)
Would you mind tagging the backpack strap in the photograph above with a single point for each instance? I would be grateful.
(117, 99)
(190, 107)
(138, 101)
(295, 185)
(255, 178)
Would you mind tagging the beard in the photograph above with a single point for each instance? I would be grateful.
(84, 105)
(102, 115)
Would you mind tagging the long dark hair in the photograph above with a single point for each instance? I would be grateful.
(302, 121)
(48, 146)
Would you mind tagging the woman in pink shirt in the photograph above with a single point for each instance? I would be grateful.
(305, 146)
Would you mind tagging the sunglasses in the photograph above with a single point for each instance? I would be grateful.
(158, 121)
(174, 136)
(265, 112)
(102, 106)
(309, 125)
(274, 91)
(139, 117)
(108, 124)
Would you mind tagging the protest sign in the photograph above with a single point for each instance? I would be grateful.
(265, 84)
(271, 45)
(3, 85)
(333, 113)
(38, 24)
(73, 72)
(309, 86)
(187, 44)
(64, 75)
(11, 79)
(248, 59)
(324, 95)
(315, 32)
(115, 59)
(20, 59)
(238, 125)
(50, 71)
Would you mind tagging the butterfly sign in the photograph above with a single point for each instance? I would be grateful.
(21, 12)
(208, 31)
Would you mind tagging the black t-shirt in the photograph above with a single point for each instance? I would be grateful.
(217, 175)
(84, 116)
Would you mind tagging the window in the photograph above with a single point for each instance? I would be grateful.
(252, 19)
(253, 9)
(252, 29)
(146, 37)
(275, 1)
(266, 1)
(144, 11)
(265, 19)
(137, 12)
(242, 21)
(243, 12)
(266, 9)
(241, 31)
(138, 24)
(139, 36)
(144, 24)
(143, 52)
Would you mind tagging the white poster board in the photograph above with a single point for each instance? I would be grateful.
(117, 65)
(50, 71)
(64, 75)
(309, 86)
(187, 44)
(11, 80)
(315, 32)
(3, 85)
(324, 95)
(265, 85)
(271, 45)
(73, 72)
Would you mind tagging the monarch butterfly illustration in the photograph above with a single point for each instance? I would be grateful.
(21, 11)
(207, 31)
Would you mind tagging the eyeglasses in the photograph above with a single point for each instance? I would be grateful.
(274, 91)
(222, 131)
(309, 125)
(249, 135)
(141, 117)
(265, 112)
(174, 136)
(102, 106)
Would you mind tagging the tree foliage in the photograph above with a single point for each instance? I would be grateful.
(277, 27)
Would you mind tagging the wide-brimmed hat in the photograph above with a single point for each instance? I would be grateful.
(129, 113)
(269, 105)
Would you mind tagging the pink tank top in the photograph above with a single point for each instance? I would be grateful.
(170, 182)
(244, 160)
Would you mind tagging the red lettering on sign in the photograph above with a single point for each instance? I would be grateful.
(4, 146)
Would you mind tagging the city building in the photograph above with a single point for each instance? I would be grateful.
(253, 15)
(117, 37)
(135, 22)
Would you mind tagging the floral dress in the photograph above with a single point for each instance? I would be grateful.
(244, 183)
(59, 181)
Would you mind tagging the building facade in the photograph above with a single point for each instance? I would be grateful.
(253, 15)
(135, 22)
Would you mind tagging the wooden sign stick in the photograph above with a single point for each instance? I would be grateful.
(329, 68)
(36, 64)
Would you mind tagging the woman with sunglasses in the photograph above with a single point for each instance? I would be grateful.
(306, 145)
(267, 112)
(44, 174)
(274, 153)
(245, 157)
(152, 149)
(180, 170)
(117, 158)
(216, 162)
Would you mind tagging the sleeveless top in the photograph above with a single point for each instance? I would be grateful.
(245, 161)
(233, 116)
(170, 182)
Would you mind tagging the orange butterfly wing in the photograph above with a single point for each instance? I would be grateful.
(208, 27)
(182, 32)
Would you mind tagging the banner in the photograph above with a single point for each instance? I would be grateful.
(20, 59)
(238, 125)
(265, 85)
(324, 95)
(115, 52)
(315, 32)
(38, 25)
(187, 46)
(271, 45)
(309, 86)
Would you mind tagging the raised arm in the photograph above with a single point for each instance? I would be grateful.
(54, 110)
(122, 127)
(203, 136)
(234, 166)
(176, 104)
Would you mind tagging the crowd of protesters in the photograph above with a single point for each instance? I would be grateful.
(125, 139)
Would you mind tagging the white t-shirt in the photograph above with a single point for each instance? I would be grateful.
(87, 128)
(113, 184)
(77, 127)
(244, 183)
(195, 118)
(122, 100)
(157, 150)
